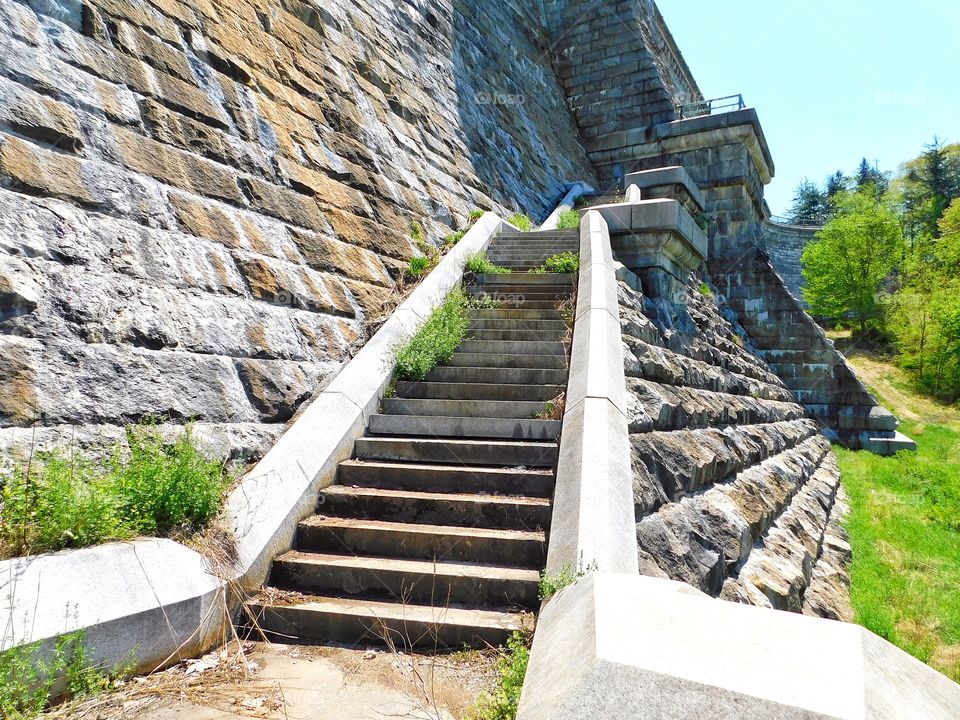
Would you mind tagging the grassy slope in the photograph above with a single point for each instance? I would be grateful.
(905, 525)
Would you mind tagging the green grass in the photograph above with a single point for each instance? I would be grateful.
(27, 676)
(453, 238)
(418, 266)
(480, 264)
(61, 500)
(550, 585)
(905, 531)
(705, 290)
(521, 222)
(568, 219)
(474, 216)
(503, 702)
(436, 341)
(565, 262)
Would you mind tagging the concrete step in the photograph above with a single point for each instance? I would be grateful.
(525, 324)
(510, 548)
(510, 293)
(562, 233)
(511, 314)
(445, 478)
(406, 581)
(889, 443)
(505, 376)
(492, 359)
(526, 304)
(505, 453)
(513, 347)
(464, 427)
(517, 409)
(512, 259)
(478, 391)
(550, 279)
(365, 622)
(517, 335)
(509, 512)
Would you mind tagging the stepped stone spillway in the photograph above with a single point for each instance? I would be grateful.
(435, 533)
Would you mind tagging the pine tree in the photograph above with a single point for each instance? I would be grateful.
(809, 203)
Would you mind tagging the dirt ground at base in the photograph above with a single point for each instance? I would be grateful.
(290, 682)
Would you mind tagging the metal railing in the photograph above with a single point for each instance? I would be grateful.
(798, 222)
(699, 108)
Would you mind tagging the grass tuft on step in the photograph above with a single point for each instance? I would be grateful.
(61, 500)
(565, 262)
(521, 222)
(436, 341)
(568, 219)
(480, 264)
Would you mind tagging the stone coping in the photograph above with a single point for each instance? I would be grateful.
(660, 215)
(675, 175)
(707, 131)
(624, 646)
(157, 601)
(568, 203)
(593, 523)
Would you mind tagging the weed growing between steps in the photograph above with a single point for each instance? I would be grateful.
(60, 500)
(27, 677)
(565, 262)
(480, 264)
(521, 222)
(568, 219)
(503, 702)
(436, 341)
(550, 585)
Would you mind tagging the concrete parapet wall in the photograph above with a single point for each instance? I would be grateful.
(622, 646)
(592, 520)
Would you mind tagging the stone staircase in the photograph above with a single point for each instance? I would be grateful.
(434, 534)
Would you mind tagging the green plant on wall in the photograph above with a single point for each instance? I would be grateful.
(418, 266)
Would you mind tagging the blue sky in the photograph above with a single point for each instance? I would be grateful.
(832, 81)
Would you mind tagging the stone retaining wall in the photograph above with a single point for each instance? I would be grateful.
(735, 489)
(203, 205)
(619, 66)
(785, 245)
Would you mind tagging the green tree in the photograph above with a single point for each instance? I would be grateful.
(809, 203)
(868, 176)
(926, 187)
(848, 260)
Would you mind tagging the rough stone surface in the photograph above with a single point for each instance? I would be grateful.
(202, 205)
(735, 489)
